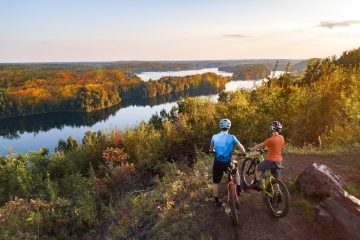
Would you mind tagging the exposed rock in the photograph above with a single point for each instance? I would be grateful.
(341, 214)
(340, 211)
(318, 179)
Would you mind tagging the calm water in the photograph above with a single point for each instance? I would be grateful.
(146, 76)
(31, 133)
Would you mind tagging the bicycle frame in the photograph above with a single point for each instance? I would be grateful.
(266, 179)
(275, 190)
(231, 184)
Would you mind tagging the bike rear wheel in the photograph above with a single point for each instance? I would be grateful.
(248, 172)
(233, 210)
(279, 204)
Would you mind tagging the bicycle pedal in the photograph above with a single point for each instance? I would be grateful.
(218, 203)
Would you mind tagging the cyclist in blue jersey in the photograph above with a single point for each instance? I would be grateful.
(223, 143)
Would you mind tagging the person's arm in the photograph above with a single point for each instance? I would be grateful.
(238, 145)
(257, 146)
(241, 148)
(212, 147)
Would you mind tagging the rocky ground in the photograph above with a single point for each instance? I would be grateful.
(255, 219)
(301, 221)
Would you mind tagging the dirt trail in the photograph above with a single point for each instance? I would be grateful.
(257, 223)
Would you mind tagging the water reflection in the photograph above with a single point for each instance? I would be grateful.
(15, 127)
(30, 133)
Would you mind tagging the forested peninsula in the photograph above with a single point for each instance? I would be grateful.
(27, 90)
(248, 71)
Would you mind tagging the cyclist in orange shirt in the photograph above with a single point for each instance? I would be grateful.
(273, 158)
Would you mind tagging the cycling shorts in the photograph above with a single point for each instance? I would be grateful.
(218, 171)
(267, 164)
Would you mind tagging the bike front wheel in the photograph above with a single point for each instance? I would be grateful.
(233, 210)
(248, 172)
(279, 204)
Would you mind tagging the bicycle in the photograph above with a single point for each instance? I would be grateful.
(232, 197)
(275, 190)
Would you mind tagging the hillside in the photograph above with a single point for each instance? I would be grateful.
(300, 66)
(184, 214)
(151, 181)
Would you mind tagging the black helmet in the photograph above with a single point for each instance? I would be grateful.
(276, 126)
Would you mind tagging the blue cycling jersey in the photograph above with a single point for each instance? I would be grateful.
(223, 143)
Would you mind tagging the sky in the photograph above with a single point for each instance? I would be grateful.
(110, 30)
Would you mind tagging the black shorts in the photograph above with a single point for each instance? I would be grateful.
(218, 171)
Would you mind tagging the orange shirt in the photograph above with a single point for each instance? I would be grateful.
(274, 145)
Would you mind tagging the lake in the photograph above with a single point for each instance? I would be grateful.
(33, 132)
(146, 76)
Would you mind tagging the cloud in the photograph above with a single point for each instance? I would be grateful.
(235, 35)
(333, 24)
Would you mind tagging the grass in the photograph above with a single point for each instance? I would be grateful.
(302, 203)
(305, 205)
(312, 149)
(350, 188)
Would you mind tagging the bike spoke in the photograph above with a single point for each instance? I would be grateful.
(279, 202)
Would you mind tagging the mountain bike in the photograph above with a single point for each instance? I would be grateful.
(232, 197)
(277, 195)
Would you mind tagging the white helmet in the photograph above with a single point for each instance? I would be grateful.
(225, 123)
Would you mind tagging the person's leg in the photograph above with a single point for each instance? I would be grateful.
(260, 169)
(215, 190)
(257, 173)
(257, 185)
(277, 171)
(238, 183)
(217, 175)
(237, 178)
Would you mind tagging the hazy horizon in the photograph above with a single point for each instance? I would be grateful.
(170, 61)
(107, 31)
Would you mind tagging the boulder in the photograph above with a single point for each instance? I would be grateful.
(340, 211)
(319, 180)
(341, 214)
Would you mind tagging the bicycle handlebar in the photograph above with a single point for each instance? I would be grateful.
(234, 152)
(261, 150)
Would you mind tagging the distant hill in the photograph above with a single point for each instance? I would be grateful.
(300, 66)
(132, 67)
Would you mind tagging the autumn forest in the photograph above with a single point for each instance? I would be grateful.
(25, 90)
